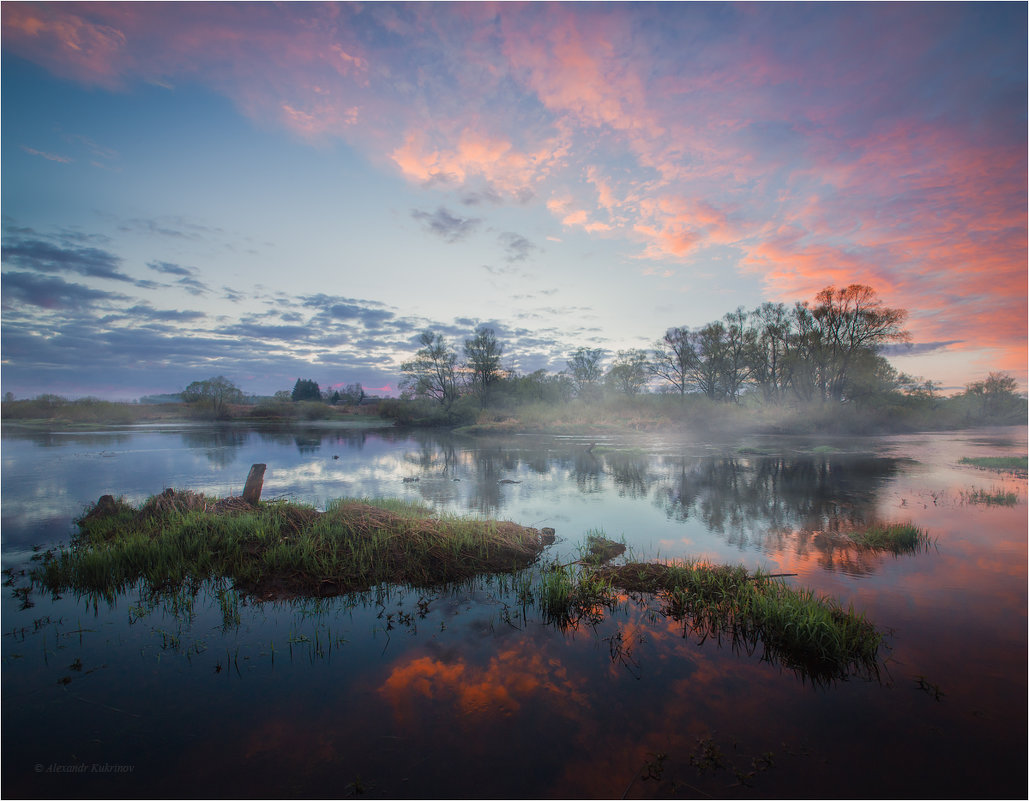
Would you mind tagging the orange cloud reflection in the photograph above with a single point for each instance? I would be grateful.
(512, 677)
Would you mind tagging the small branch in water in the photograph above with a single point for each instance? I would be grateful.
(770, 575)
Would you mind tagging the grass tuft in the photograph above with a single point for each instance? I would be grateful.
(893, 537)
(990, 497)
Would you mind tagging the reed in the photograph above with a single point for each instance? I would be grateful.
(995, 497)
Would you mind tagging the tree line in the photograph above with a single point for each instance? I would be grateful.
(826, 350)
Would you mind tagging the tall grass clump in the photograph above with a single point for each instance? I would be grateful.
(896, 538)
(567, 595)
(795, 627)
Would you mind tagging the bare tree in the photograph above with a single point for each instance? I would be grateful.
(737, 356)
(431, 373)
(772, 365)
(851, 322)
(483, 353)
(671, 358)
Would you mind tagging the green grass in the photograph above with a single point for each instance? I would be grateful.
(279, 549)
(894, 537)
(998, 462)
(990, 497)
(171, 545)
(598, 549)
(812, 634)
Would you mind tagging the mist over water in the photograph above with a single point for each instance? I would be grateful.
(457, 694)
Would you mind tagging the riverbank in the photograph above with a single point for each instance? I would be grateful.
(893, 414)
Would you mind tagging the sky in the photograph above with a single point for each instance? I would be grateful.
(280, 191)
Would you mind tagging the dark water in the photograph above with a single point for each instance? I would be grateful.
(462, 694)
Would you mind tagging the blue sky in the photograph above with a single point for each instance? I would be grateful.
(270, 192)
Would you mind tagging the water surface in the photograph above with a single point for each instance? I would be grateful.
(463, 694)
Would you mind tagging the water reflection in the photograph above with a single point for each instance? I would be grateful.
(460, 703)
(220, 446)
(807, 492)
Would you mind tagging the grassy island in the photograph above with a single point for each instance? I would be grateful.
(280, 549)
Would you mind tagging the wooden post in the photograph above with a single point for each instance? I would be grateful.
(252, 490)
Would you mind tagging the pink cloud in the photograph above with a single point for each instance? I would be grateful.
(826, 150)
(473, 154)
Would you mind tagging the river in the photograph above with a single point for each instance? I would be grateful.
(458, 693)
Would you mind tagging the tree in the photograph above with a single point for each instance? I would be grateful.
(671, 358)
(805, 356)
(431, 373)
(215, 394)
(585, 372)
(538, 386)
(851, 322)
(352, 395)
(774, 346)
(996, 396)
(738, 354)
(306, 390)
(630, 372)
(706, 354)
(695, 360)
(920, 388)
(482, 353)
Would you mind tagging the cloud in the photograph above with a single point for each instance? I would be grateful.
(444, 224)
(169, 268)
(254, 333)
(44, 256)
(51, 293)
(47, 156)
(106, 154)
(917, 348)
(334, 308)
(829, 143)
(148, 312)
(192, 285)
(175, 227)
(517, 246)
